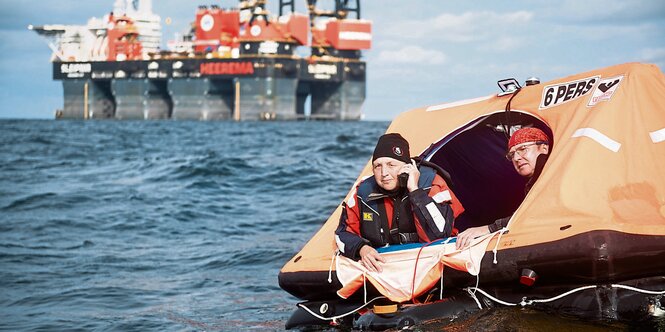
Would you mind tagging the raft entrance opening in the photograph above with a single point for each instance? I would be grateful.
(484, 180)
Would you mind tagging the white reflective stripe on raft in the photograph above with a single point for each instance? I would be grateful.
(456, 103)
(438, 218)
(658, 135)
(599, 137)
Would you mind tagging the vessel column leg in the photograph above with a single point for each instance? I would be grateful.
(141, 99)
(95, 103)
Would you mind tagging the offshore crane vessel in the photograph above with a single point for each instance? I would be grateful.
(239, 63)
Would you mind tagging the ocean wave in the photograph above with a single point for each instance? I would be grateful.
(144, 224)
(29, 201)
(344, 150)
(246, 257)
(207, 167)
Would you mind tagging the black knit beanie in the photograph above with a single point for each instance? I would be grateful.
(393, 146)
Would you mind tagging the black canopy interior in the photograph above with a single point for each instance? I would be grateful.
(483, 179)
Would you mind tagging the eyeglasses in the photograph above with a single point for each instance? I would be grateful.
(521, 151)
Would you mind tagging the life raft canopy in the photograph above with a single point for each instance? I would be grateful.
(602, 181)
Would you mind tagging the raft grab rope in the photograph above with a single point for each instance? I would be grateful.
(496, 246)
(473, 290)
(525, 302)
(332, 262)
(334, 318)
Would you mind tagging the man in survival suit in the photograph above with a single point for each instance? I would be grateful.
(528, 149)
(385, 210)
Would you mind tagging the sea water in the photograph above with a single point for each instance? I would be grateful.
(164, 225)
(175, 225)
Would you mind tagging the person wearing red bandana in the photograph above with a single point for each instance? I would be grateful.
(385, 210)
(528, 149)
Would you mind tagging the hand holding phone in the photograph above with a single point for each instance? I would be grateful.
(403, 179)
(408, 178)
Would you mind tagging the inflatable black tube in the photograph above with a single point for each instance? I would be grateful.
(309, 285)
(590, 258)
(302, 318)
(405, 316)
(410, 315)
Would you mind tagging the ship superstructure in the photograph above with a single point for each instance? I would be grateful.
(237, 63)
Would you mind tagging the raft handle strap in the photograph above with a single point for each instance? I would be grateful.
(332, 261)
(496, 246)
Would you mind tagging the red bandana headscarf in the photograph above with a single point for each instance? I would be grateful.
(524, 135)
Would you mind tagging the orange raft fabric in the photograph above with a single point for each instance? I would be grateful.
(605, 170)
(398, 282)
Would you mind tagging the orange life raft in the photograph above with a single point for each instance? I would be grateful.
(594, 222)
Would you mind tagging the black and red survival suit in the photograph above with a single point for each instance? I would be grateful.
(379, 218)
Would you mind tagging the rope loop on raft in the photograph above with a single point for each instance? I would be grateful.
(527, 302)
(496, 246)
(332, 262)
(472, 293)
(334, 318)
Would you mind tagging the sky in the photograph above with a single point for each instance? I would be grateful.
(424, 52)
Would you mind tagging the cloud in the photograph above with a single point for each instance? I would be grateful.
(502, 44)
(477, 26)
(17, 16)
(603, 11)
(412, 55)
(468, 27)
(653, 54)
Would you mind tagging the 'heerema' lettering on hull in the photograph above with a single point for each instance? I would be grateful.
(227, 68)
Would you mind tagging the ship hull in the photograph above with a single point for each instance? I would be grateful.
(253, 88)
